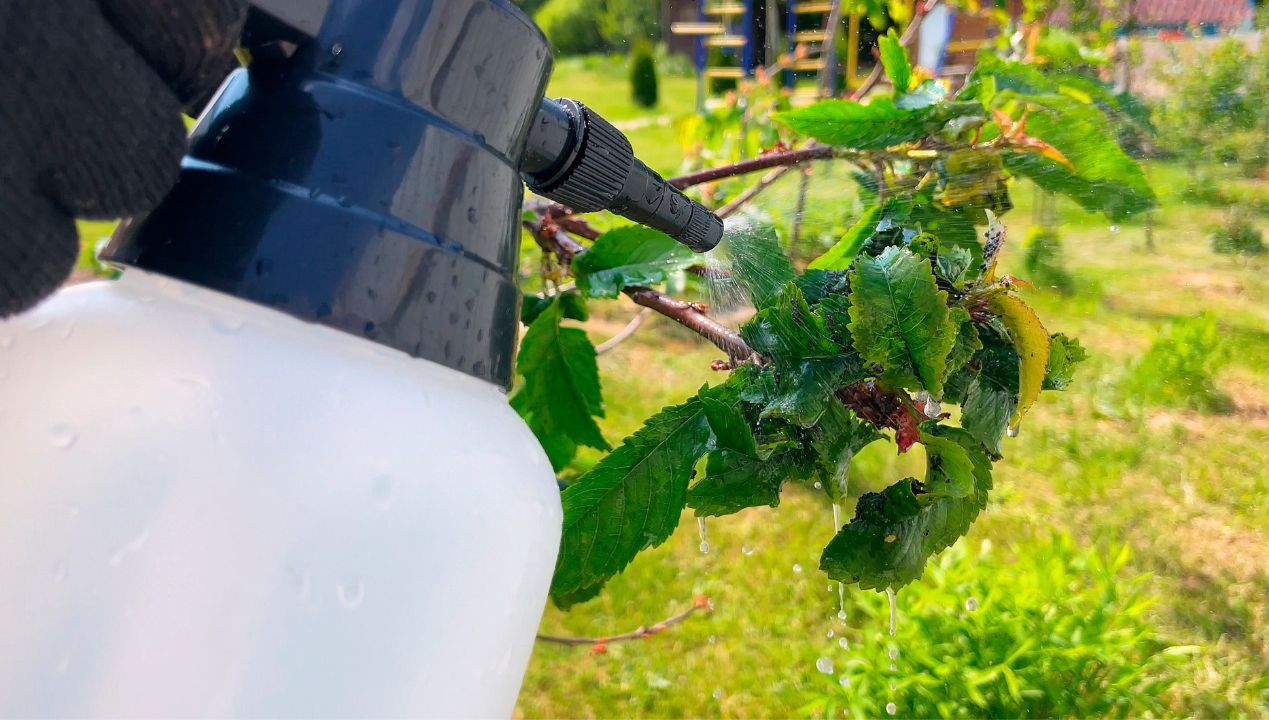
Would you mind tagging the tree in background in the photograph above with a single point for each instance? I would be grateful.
(584, 26)
(643, 75)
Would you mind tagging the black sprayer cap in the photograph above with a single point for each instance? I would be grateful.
(364, 174)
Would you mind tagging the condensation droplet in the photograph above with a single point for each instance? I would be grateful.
(350, 593)
(59, 571)
(971, 604)
(227, 324)
(62, 435)
(824, 665)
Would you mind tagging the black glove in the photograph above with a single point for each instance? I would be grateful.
(91, 93)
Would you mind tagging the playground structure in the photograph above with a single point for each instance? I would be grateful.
(727, 45)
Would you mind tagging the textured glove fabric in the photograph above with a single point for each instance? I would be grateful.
(90, 99)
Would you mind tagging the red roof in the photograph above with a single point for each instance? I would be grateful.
(1223, 13)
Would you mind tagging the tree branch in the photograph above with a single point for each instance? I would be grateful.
(693, 317)
(751, 192)
(762, 162)
(599, 645)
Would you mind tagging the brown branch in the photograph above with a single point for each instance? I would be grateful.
(599, 645)
(693, 317)
(762, 162)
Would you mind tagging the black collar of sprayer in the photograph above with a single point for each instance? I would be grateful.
(367, 180)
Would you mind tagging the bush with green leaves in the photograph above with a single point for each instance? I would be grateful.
(571, 26)
(904, 314)
(1179, 369)
(643, 75)
(1237, 235)
(1056, 630)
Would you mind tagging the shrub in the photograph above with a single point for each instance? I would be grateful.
(1060, 632)
(1180, 367)
(1237, 236)
(643, 75)
(1043, 260)
(572, 26)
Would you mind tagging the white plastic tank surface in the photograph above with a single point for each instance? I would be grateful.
(209, 508)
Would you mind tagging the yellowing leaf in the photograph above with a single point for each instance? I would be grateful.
(1031, 341)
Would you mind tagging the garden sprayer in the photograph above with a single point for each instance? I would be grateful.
(272, 469)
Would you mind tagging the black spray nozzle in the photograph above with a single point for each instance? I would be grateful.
(575, 157)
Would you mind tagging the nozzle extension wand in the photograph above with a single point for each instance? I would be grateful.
(575, 157)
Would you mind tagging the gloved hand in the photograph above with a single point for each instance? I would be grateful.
(91, 93)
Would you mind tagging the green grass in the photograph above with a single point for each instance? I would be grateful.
(1126, 544)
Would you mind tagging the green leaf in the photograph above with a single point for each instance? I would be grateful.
(993, 395)
(949, 471)
(789, 330)
(967, 341)
(900, 320)
(734, 482)
(801, 392)
(1030, 340)
(953, 263)
(840, 256)
(895, 60)
(731, 430)
(758, 261)
(531, 306)
(1104, 180)
(630, 500)
(1064, 354)
(836, 438)
(631, 255)
(896, 531)
(848, 124)
(560, 396)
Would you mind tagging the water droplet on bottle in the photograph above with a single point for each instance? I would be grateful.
(844, 681)
(133, 545)
(746, 550)
(350, 593)
(700, 527)
(381, 490)
(797, 568)
(971, 604)
(718, 694)
(891, 708)
(843, 643)
(62, 435)
(63, 664)
(824, 665)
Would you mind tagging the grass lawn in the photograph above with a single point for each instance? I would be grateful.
(1124, 539)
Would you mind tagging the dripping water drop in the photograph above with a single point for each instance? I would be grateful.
(746, 550)
(971, 604)
(843, 643)
(797, 569)
(891, 708)
(700, 526)
(824, 665)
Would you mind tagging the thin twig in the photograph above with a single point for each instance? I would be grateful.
(599, 644)
(625, 333)
(751, 192)
(909, 34)
(762, 162)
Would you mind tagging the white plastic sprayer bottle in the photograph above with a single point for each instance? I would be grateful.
(272, 471)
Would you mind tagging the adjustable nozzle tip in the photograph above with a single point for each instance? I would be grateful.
(704, 230)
